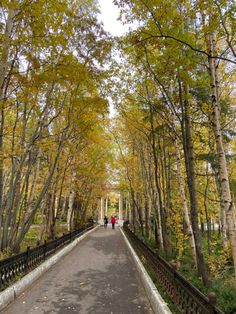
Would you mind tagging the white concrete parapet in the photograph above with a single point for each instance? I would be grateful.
(120, 222)
(159, 306)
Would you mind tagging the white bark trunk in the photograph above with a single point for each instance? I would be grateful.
(227, 205)
(56, 207)
(158, 223)
(184, 202)
(4, 65)
(120, 207)
(126, 208)
(102, 210)
(5, 49)
(70, 209)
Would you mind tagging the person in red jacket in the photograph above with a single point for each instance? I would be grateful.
(113, 221)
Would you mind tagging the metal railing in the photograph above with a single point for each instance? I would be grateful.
(187, 298)
(20, 264)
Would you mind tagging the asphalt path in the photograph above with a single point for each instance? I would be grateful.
(98, 276)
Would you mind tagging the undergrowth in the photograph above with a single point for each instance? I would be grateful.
(222, 280)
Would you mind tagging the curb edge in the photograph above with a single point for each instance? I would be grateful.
(11, 293)
(159, 306)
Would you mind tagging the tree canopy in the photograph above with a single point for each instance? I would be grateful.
(170, 146)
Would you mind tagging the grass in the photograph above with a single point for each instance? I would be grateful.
(32, 236)
(31, 239)
(162, 291)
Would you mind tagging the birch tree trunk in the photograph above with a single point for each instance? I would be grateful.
(3, 71)
(154, 202)
(222, 214)
(227, 205)
(159, 199)
(182, 190)
(208, 219)
(28, 218)
(184, 202)
(146, 190)
(70, 209)
(191, 179)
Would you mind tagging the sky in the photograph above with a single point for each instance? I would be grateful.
(109, 15)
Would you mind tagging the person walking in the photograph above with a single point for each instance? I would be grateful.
(113, 221)
(105, 221)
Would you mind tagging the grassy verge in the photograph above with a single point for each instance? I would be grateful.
(222, 281)
(162, 291)
(31, 239)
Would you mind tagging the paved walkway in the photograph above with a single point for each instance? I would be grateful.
(98, 276)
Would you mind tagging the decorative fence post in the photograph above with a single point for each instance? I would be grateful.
(27, 257)
(212, 298)
(44, 249)
(186, 297)
(21, 263)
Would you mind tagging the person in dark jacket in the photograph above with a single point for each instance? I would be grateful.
(105, 221)
(113, 221)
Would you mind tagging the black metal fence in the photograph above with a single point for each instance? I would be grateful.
(187, 298)
(20, 264)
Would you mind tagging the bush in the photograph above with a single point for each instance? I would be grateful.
(226, 295)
